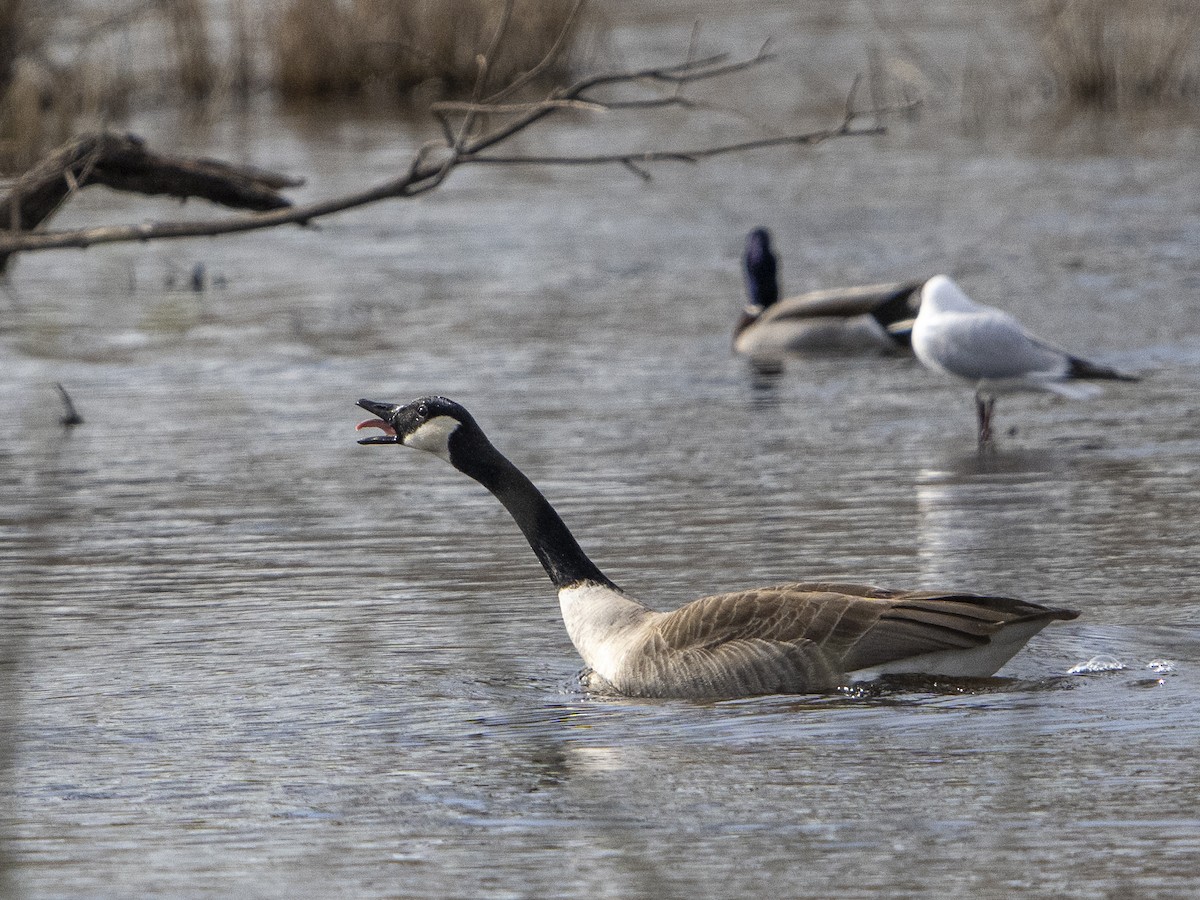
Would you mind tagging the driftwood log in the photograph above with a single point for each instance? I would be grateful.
(122, 162)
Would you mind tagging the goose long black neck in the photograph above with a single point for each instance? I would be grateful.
(551, 540)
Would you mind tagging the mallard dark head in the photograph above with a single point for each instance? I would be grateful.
(762, 276)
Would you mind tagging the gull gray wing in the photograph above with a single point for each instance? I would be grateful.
(989, 344)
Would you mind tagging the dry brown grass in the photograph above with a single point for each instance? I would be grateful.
(187, 29)
(172, 51)
(391, 47)
(1112, 53)
(44, 99)
(28, 120)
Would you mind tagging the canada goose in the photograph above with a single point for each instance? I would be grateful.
(957, 336)
(872, 318)
(790, 638)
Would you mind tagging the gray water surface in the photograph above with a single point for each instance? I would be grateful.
(247, 657)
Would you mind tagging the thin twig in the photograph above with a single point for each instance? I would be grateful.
(691, 54)
(462, 106)
(848, 115)
(485, 62)
(546, 61)
(652, 156)
(636, 169)
(710, 67)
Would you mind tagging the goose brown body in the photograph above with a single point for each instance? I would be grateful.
(805, 637)
(789, 638)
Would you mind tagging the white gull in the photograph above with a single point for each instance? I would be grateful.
(957, 336)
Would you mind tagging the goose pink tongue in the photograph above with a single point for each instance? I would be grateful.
(376, 423)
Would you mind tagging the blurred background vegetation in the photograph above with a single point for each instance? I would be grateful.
(1111, 53)
(70, 65)
(67, 65)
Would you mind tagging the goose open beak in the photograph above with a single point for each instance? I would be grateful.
(386, 412)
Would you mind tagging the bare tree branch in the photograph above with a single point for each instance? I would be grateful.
(429, 166)
(690, 156)
(465, 106)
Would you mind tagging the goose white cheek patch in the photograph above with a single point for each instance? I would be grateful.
(433, 436)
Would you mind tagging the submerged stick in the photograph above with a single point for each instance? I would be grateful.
(72, 416)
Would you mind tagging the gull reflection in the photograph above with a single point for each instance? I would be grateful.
(981, 518)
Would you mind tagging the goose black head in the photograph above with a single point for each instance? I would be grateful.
(427, 423)
(762, 277)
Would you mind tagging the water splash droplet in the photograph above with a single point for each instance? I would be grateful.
(1101, 663)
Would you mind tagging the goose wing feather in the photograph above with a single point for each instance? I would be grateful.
(740, 667)
(805, 636)
(844, 587)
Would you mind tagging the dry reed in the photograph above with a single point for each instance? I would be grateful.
(42, 98)
(151, 51)
(188, 43)
(1121, 53)
(365, 47)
